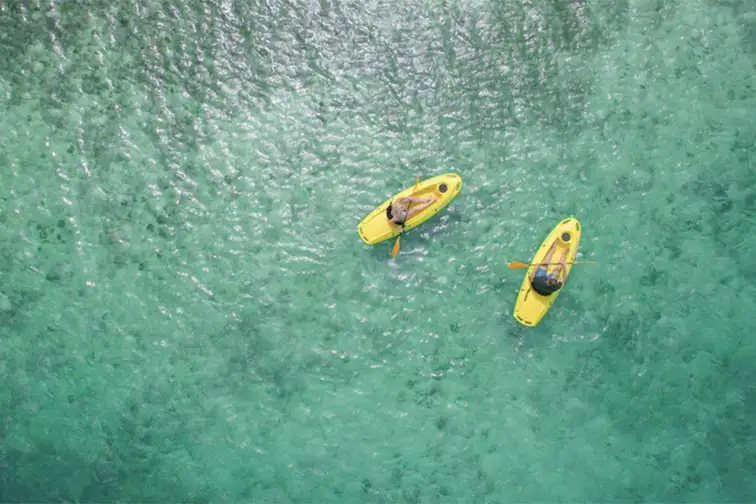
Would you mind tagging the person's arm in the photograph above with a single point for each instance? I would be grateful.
(536, 268)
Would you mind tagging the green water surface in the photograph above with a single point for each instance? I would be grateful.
(187, 313)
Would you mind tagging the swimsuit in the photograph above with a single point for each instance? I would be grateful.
(541, 272)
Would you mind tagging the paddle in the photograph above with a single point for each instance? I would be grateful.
(520, 265)
(395, 250)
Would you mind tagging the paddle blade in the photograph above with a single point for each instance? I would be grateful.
(517, 265)
(396, 247)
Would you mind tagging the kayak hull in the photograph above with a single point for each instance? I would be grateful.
(531, 306)
(375, 228)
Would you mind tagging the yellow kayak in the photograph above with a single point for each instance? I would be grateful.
(531, 306)
(375, 228)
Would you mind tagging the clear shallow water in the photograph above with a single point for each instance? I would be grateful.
(188, 313)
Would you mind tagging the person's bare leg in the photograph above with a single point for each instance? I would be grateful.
(563, 264)
(414, 211)
(412, 199)
(546, 260)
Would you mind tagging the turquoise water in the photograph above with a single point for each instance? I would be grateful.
(189, 315)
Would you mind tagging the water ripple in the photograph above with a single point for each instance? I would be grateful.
(183, 280)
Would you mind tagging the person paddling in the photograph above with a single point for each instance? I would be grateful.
(545, 283)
